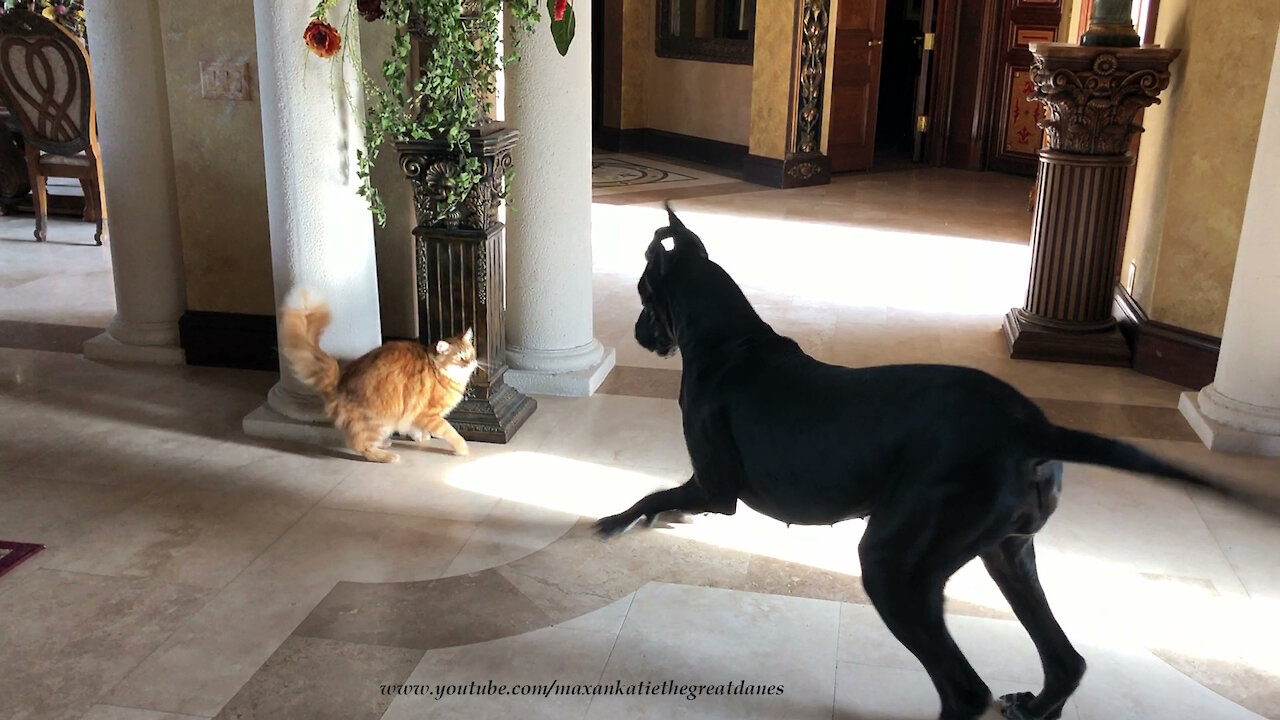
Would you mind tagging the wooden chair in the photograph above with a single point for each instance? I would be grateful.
(46, 83)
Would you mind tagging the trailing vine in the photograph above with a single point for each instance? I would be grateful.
(451, 89)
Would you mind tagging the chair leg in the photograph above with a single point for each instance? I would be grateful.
(40, 194)
(94, 198)
(90, 207)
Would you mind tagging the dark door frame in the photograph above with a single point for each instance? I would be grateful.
(928, 51)
(961, 103)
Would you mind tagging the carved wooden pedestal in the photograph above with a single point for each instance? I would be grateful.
(1091, 96)
(461, 277)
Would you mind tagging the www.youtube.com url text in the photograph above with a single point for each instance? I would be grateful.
(556, 688)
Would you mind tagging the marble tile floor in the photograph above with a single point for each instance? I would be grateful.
(64, 281)
(192, 572)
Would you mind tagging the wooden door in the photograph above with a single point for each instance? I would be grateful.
(855, 83)
(1014, 136)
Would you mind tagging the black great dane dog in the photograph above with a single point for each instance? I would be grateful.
(946, 463)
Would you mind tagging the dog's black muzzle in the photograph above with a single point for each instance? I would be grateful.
(654, 335)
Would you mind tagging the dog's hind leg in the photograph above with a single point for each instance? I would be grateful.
(911, 607)
(908, 552)
(690, 497)
(1012, 564)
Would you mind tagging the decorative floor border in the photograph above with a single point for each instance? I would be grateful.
(625, 173)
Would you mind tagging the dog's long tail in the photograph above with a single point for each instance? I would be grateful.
(303, 319)
(1084, 447)
(1059, 443)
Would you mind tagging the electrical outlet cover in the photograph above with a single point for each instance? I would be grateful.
(224, 81)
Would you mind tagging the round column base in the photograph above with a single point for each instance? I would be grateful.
(300, 405)
(1227, 425)
(570, 372)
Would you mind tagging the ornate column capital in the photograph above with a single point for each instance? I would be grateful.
(1091, 94)
(430, 166)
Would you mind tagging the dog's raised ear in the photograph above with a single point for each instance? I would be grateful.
(685, 240)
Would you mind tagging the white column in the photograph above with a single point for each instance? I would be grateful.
(321, 229)
(138, 179)
(1240, 411)
(551, 344)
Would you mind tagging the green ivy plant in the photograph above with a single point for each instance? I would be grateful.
(458, 63)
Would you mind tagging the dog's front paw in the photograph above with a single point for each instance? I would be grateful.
(1015, 706)
(614, 525)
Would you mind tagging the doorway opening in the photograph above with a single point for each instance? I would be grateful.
(900, 68)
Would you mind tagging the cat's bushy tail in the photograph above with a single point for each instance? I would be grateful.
(302, 320)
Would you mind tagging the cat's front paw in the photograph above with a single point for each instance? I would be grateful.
(416, 435)
(379, 455)
(461, 450)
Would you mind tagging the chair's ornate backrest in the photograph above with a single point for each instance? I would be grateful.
(45, 81)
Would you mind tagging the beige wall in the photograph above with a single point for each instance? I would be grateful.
(1150, 191)
(826, 82)
(637, 47)
(771, 77)
(702, 99)
(706, 100)
(1196, 159)
(218, 165)
(221, 178)
(1071, 20)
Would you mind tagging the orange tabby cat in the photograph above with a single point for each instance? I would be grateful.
(399, 387)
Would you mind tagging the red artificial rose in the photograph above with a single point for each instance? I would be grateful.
(370, 9)
(559, 13)
(323, 38)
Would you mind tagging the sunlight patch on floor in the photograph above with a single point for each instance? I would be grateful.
(555, 483)
(1095, 598)
(837, 264)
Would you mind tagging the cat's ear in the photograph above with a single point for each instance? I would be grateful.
(442, 347)
(468, 336)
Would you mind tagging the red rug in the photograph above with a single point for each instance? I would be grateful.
(13, 553)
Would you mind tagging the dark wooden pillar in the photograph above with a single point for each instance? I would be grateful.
(1091, 96)
(461, 275)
